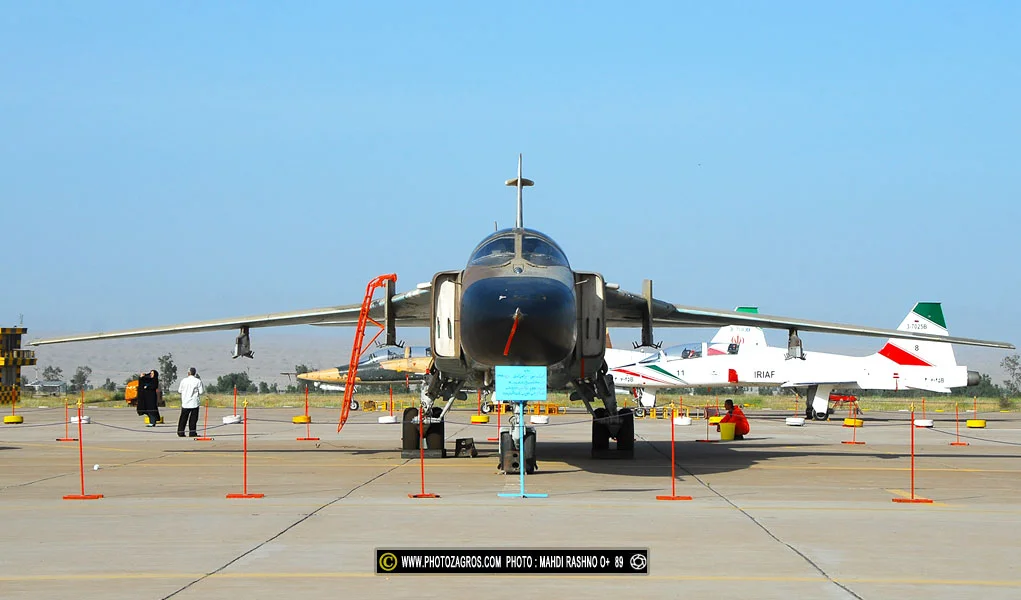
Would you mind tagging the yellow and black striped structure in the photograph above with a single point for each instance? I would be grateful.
(12, 358)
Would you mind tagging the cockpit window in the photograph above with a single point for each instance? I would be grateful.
(541, 252)
(497, 251)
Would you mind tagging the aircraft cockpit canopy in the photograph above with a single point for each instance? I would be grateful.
(495, 250)
(392, 352)
(536, 248)
(692, 350)
(542, 251)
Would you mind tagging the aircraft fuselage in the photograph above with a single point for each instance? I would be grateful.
(518, 305)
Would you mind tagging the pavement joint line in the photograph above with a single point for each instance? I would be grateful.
(749, 516)
(281, 532)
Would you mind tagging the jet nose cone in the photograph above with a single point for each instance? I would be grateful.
(325, 376)
(545, 330)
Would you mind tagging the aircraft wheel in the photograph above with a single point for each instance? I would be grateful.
(529, 453)
(354, 404)
(626, 434)
(640, 412)
(508, 454)
(487, 408)
(821, 416)
(434, 436)
(600, 432)
(409, 429)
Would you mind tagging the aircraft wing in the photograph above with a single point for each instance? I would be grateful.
(411, 309)
(624, 309)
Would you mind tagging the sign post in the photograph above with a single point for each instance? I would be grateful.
(520, 385)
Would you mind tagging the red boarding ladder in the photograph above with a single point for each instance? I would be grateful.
(357, 349)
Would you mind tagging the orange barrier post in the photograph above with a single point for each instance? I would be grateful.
(81, 465)
(499, 411)
(244, 491)
(913, 499)
(205, 426)
(421, 457)
(67, 420)
(478, 411)
(706, 426)
(975, 398)
(673, 468)
(308, 423)
(957, 418)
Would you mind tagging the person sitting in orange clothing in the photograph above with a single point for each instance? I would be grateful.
(736, 416)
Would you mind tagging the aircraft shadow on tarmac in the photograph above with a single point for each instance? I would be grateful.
(651, 458)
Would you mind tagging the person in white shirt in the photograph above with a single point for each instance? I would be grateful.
(191, 388)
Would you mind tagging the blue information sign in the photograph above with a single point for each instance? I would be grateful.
(520, 384)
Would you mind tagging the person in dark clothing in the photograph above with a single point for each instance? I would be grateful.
(149, 395)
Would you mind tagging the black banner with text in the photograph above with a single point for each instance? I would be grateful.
(512, 562)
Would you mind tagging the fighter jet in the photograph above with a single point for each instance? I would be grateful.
(517, 301)
(387, 365)
(740, 356)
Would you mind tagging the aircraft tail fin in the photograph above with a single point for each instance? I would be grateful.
(925, 317)
(741, 335)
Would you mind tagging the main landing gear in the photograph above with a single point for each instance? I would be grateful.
(511, 449)
(432, 433)
(607, 421)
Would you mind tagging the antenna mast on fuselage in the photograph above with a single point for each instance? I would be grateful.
(519, 183)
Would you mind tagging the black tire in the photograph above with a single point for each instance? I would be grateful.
(409, 429)
(487, 408)
(640, 412)
(529, 453)
(600, 432)
(509, 456)
(434, 436)
(354, 404)
(626, 434)
(821, 416)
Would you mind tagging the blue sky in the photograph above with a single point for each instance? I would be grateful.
(166, 162)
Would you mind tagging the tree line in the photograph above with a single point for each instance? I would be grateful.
(1010, 388)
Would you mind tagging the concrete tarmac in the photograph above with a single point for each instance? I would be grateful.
(786, 512)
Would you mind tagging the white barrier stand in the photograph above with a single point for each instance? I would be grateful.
(539, 419)
(795, 421)
(923, 423)
(85, 420)
(682, 420)
(388, 419)
(232, 420)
